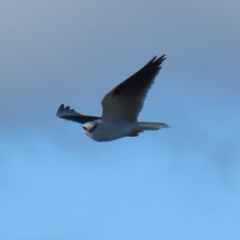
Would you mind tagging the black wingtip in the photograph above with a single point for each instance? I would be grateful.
(153, 59)
(162, 58)
(157, 60)
(60, 108)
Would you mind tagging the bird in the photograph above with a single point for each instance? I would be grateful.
(121, 107)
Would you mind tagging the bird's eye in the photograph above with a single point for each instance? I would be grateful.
(85, 128)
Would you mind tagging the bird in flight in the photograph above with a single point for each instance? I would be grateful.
(121, 107)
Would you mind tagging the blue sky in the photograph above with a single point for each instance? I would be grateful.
(177, 183)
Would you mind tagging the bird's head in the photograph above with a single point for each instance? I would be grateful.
(89, 127)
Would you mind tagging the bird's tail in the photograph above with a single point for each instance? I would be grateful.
(151, 126)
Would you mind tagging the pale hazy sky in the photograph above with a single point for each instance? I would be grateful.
(177, 183)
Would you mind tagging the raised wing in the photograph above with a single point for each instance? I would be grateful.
(70, 114)
(126, 100)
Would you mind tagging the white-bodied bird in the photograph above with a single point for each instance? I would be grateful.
(121, 107)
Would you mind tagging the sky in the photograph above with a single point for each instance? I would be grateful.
(177, 183)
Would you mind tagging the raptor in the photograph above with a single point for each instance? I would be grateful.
(121, 107)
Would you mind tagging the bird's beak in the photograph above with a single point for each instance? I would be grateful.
(85, 129)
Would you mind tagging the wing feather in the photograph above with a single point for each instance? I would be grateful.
(70, 114)
(126, 100)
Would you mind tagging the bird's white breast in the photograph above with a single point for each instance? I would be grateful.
(111, 130)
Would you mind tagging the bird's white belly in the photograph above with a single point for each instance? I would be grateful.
(108, 131)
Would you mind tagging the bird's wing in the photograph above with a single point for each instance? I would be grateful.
(126, 100)
(70, 114)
